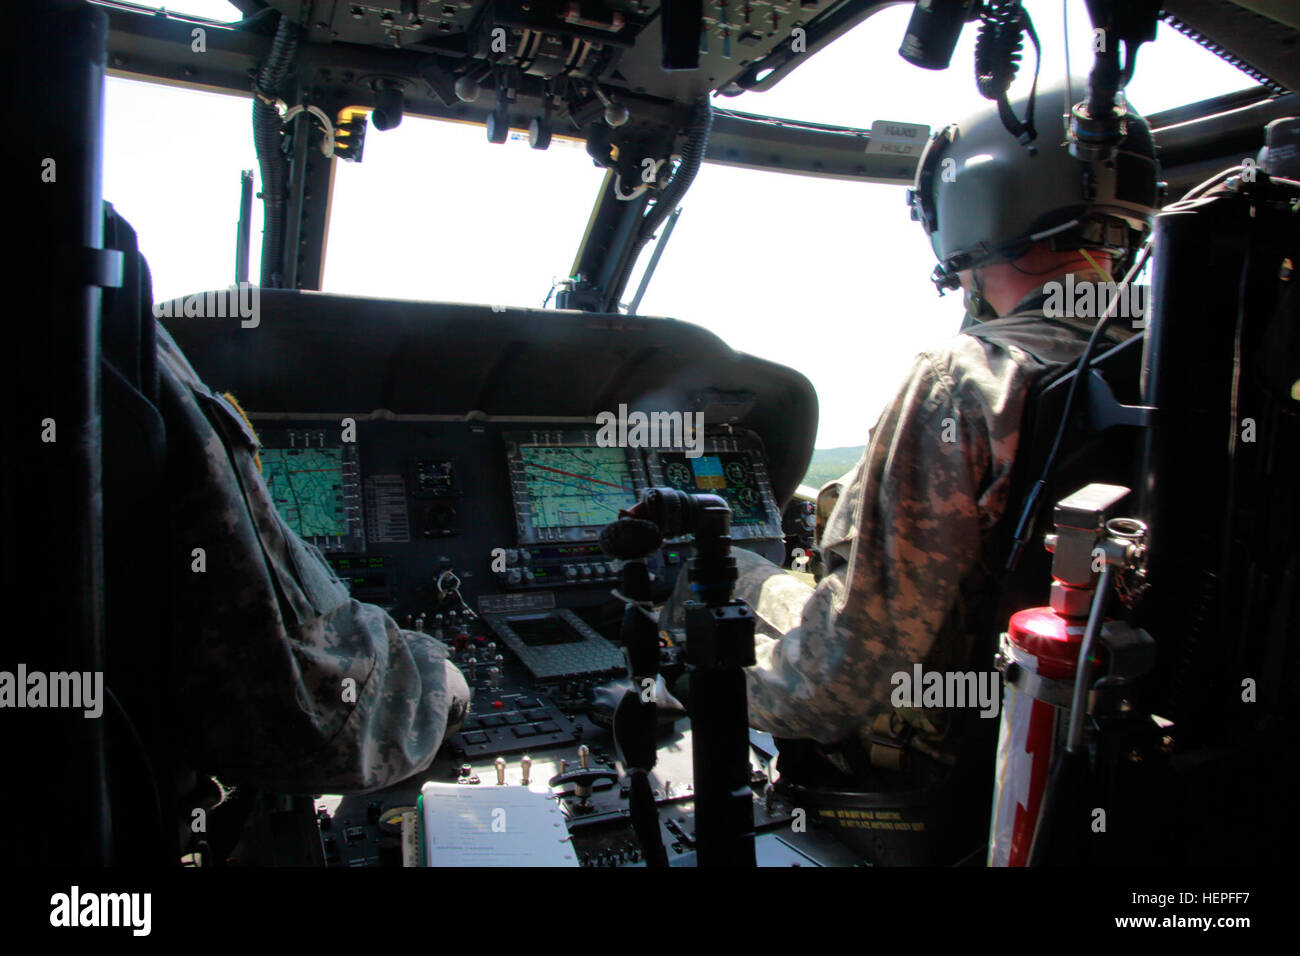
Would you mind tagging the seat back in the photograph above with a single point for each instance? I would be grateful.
(136, 611)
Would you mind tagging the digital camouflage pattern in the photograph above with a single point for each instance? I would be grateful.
(281, 680)
(907, 543)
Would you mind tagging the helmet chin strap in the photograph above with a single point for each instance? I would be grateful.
(977, 307)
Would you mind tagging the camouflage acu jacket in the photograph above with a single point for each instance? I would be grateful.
(280, 679)
(905, 541)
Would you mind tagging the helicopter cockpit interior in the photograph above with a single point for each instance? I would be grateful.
(471, 468)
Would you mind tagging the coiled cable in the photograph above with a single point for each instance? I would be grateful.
(998, 49)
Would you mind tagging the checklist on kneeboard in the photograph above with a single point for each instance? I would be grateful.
(491, 826)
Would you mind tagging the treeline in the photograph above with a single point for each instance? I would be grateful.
(828, 463)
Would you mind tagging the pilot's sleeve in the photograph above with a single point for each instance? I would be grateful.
(280, 679)
(904, 533)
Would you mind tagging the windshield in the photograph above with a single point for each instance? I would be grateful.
(435, 211)
(172, 163)
(827, 276)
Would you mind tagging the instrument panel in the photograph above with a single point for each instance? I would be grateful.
(396, 504)
(484, 535)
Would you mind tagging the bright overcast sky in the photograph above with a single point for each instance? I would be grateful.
(828, 277)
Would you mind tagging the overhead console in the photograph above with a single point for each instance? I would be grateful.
(662, 49)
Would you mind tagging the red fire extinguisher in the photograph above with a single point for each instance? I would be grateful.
(1039, 657)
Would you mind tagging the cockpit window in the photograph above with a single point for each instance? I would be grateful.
(828, 276)
(435, 211)
(221, 11)
(860, 77)
(172, 163)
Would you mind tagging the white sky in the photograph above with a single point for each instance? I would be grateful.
(828, 277)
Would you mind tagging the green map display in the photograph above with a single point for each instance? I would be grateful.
(306, 485)
(576, 487)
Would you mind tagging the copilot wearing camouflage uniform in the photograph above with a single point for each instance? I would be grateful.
(281, 680)
(908, 542)
(907, 545)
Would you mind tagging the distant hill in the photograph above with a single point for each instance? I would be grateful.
(828, 463)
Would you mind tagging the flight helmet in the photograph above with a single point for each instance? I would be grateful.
(983, 196)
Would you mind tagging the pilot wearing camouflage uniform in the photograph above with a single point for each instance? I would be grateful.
(282, 680)
(908, 542)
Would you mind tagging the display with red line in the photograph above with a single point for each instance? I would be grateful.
(567, 486)
(576, 487)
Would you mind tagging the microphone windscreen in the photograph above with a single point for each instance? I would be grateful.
(630, 538)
